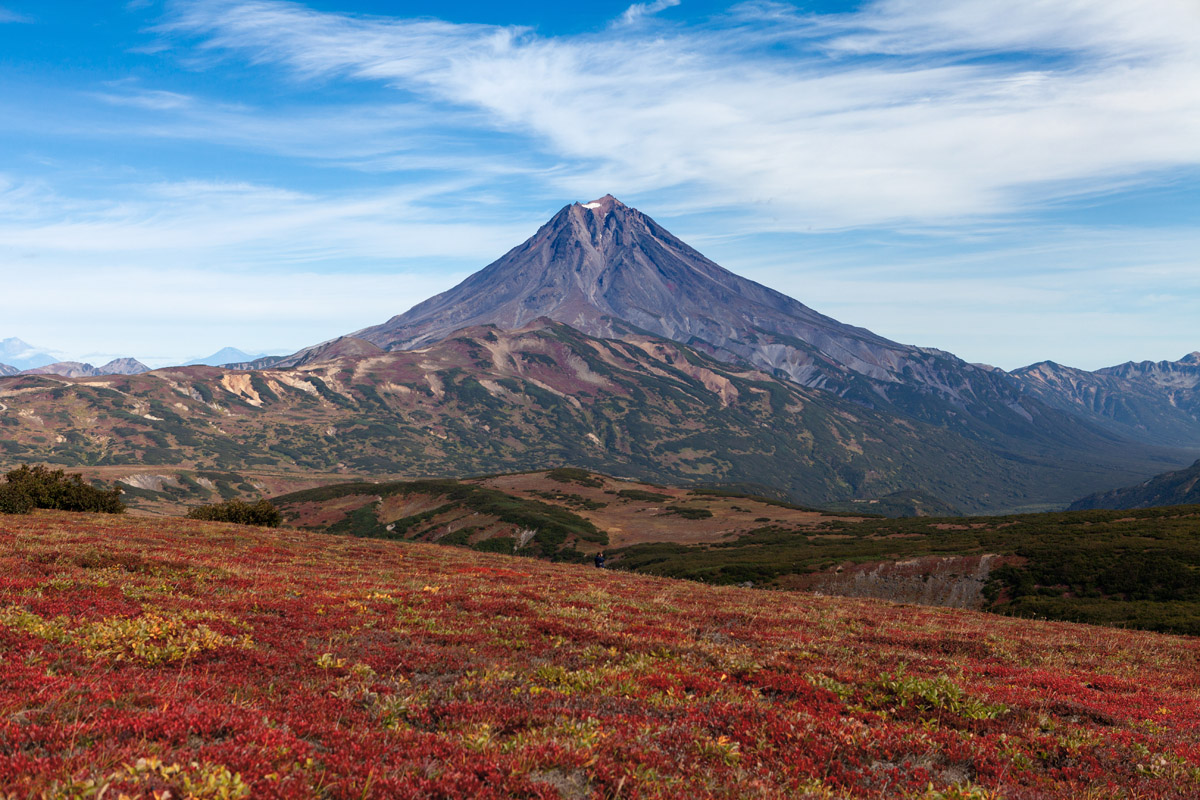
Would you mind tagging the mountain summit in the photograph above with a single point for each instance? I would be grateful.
(595, 265)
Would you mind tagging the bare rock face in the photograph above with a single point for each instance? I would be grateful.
(949, 581)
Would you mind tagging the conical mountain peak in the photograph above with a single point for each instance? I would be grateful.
(594, 264)
(603, 205)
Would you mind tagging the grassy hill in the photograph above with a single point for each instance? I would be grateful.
(1123, 568)
(143, 656)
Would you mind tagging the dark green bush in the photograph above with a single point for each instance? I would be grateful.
(262, 513)
(54, 489)
(642, 495)
(13, 500)
(574, 475)
(687, 512)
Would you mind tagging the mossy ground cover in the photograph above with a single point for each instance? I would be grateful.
(209, 660)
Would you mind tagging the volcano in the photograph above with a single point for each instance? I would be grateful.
(610, 271)
(603, 266)
(607, 269)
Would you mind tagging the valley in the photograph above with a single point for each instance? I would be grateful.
(1121, 568)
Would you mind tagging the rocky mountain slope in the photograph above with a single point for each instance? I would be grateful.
(487, 400)
(1148, 401)
(6, 370)
(1181, 487)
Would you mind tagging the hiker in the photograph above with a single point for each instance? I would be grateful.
(599, 560)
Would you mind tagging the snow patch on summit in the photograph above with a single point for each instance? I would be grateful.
(591, 205)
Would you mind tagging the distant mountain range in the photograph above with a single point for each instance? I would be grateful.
(1149, 401)
(19, 358)
(605, 341)
(487, 400)
(77, 369)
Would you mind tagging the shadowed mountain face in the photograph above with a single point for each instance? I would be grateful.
(1181, 487)
(609, 270)
(1149, 401)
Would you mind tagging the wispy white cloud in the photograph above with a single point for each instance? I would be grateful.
(636, 12)
(889, 115)
(7, 15)
(205, 265)
(193, 223)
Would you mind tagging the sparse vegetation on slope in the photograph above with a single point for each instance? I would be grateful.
(1132, 569)
(455, 513)
(220, 661)
(489, 401)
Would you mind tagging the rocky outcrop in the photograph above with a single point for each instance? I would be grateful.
(951, 581)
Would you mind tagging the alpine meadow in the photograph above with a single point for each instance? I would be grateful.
(299, 499)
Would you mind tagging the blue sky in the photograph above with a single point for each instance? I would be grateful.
(1008, 181)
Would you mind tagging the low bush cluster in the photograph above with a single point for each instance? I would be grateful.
(262, 513)
(27, 488)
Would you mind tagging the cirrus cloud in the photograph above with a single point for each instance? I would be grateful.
(900, 113)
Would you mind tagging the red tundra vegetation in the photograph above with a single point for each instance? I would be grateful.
(180, 658)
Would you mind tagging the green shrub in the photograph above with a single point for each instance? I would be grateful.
(14, 500)
(642, 495)
(687, 512)
(575, 475)
(54, 489)
(262, 513)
